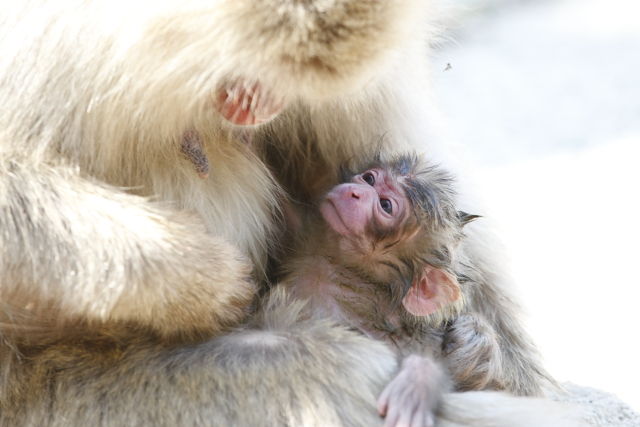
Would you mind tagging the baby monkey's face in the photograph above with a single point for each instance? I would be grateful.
(372, 205)
(386, 239)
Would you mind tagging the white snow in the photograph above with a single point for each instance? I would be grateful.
(545, 98)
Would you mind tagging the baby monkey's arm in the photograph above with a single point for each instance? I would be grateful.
(472, 354)
(411, 398)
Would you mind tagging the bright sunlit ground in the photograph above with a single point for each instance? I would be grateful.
(545, 96)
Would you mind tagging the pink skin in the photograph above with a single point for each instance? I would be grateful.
(247, 104)
(348, 208)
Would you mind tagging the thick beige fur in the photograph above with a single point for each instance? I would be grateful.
(114, 253)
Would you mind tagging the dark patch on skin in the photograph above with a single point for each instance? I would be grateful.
(193, 150)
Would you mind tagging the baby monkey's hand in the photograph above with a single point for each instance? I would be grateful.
(412, 396)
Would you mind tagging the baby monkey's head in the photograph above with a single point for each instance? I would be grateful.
(395, 222)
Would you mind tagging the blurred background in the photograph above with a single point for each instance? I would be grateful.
(544, 98)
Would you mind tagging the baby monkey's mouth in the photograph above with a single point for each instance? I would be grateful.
(247, 103)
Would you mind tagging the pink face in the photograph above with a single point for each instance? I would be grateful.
(372, 199)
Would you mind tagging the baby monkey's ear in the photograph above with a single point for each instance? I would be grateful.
(430, 291)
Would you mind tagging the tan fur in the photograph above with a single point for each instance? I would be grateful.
(113, 250)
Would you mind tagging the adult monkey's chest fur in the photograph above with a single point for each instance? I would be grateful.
(237, 198)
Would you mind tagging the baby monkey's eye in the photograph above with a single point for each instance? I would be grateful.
(386, 205)
(369, 178)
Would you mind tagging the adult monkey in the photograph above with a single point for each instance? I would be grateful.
(101, 288)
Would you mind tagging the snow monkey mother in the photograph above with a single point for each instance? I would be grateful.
(119, 262)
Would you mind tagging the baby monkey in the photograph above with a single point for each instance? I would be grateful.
(378, 255)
